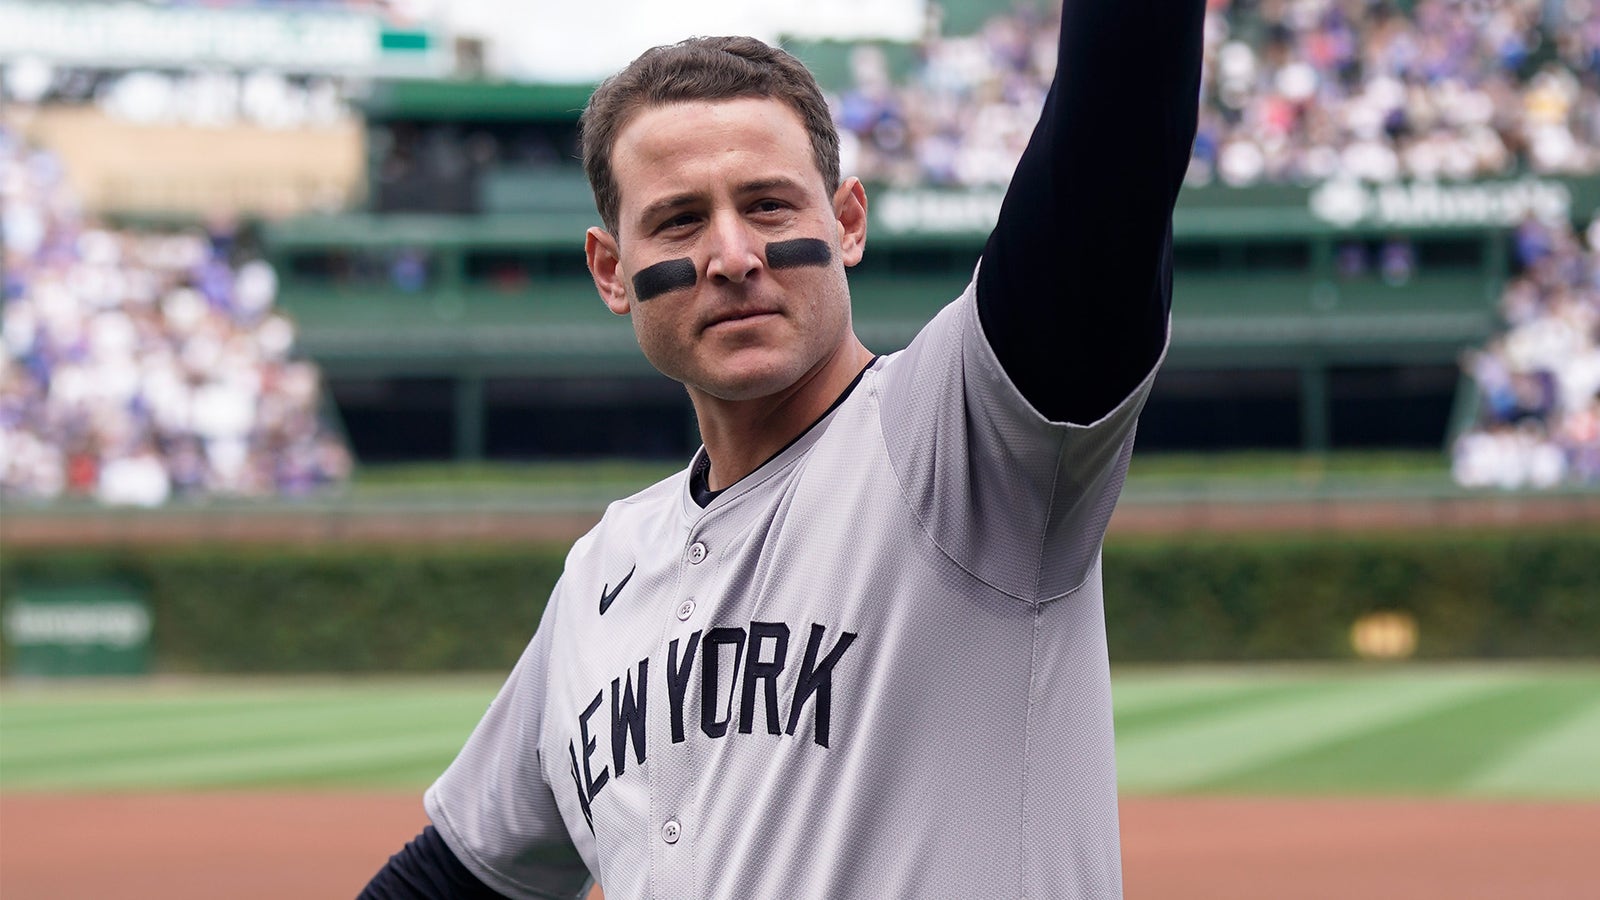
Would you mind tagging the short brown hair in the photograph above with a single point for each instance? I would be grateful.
(703, 68)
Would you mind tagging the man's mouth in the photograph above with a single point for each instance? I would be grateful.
(741, 316)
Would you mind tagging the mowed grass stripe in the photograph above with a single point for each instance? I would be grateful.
(1191, 729)
(1433, 752)
(1135, 691)
(260, 737)
(1188, 755)
(1560, 761)
(32, 713)
(48, 707)
(1184, 706)
(413, 773)
(245, 766)
(85, 741)
(204, 739)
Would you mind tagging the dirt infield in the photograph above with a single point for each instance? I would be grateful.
(260, 845)
(1256, 849)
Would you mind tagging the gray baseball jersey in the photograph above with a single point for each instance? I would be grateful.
(875, 667)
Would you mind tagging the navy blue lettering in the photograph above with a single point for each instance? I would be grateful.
(590, 782)
(817, 678)
(710, 696)
(757, 675)
(577, 782)
(755, 671)
(678, 682)
(627, 717)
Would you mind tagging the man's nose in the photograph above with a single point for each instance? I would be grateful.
(735, 254)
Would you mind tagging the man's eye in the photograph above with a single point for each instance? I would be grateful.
(768, 206)
(679, 221)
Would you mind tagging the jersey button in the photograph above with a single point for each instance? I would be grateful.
(685, 609)
(670, 831)
(697, 553)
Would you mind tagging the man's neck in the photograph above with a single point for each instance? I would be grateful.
(741, 435)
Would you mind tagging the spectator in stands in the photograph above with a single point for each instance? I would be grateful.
(136, 367)
(1294, 92)
(1539, 382)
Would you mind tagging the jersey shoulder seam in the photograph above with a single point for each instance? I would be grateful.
(874, 391)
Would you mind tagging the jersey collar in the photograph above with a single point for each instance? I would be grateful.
(699, 494)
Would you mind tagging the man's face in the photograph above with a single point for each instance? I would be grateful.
(707, 190)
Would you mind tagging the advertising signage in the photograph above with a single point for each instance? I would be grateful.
(324, 40)
(1334, 206)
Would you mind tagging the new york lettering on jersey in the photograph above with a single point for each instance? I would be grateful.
(727, 694)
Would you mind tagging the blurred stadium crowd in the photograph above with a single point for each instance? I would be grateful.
(1295, 91)
(139, 366)
(1539, 381)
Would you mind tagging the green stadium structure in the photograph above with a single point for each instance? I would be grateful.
(1318, 317)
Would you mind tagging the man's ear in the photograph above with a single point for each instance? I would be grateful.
(850, 209)
(605, 264)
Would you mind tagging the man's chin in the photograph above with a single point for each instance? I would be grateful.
(750, 380)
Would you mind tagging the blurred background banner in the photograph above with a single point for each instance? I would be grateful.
(350, 39)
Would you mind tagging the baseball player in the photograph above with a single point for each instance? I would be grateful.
(856, 649)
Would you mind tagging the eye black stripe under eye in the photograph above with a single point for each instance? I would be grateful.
(798, 252)
(664, 277)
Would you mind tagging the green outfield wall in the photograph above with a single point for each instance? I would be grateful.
(454, 316)
(226, 608)
(1287, 292)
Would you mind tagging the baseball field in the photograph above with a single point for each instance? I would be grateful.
(1448, 780)
(1332, 780)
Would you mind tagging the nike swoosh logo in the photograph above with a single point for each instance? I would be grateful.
(607, 595)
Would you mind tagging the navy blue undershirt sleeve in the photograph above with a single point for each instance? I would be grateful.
(1076, 278)
(426, 869)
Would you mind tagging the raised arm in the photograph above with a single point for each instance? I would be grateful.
(1076, 279)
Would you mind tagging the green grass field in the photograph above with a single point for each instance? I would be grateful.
(1506, 731)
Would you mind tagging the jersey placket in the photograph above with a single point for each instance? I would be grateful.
(675, 823)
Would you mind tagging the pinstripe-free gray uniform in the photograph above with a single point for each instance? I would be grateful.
(875, 667)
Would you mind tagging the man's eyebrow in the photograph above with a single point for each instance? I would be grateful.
(688, 198)
(666, 203)
(776, 182)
